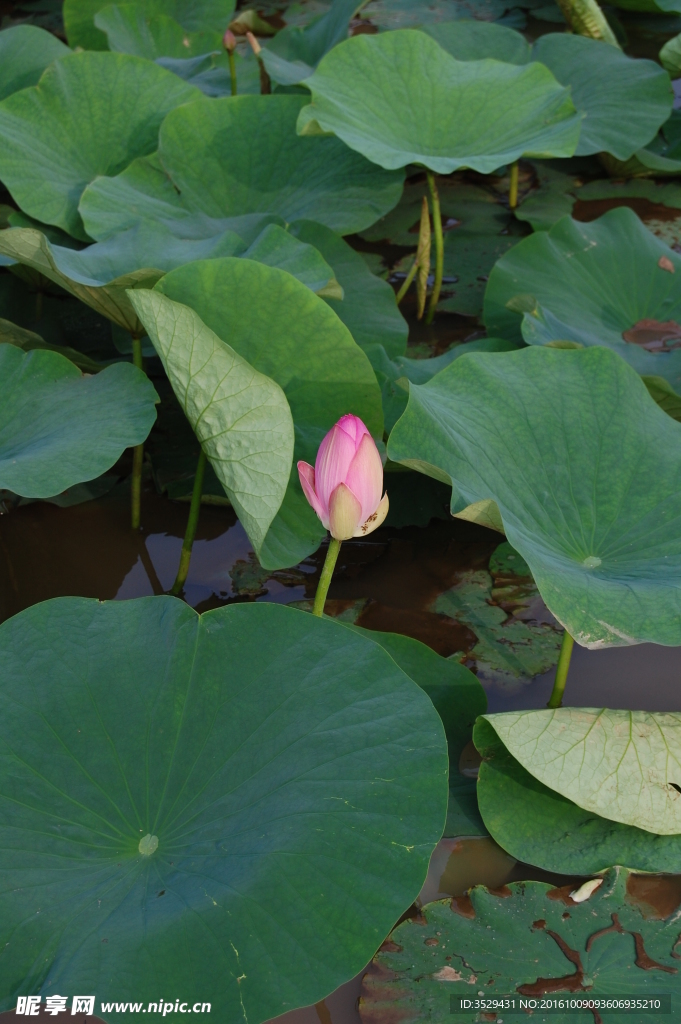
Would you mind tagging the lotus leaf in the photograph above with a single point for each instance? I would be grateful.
(623, 765)
(13, 334)
(132, 28)
(25, 52)
(91, 114)
(208, 825)
(609, 282)
(661, 158)
(240, 416)
(527, 939)
(287, 333)
(392, 14)
(624, 100)
(240, 155)
(554, 197)
(210, 72)
(584, 468)
(537, 825)
(399, 98)
(670, 56)
(193, 15)
(368, 308)
(277, 248)
(58, 428)
(459, 699)
(294, 52)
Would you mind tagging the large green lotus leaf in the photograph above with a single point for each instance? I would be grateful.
(292, 55)
(132, 28)
(145, 194)
(584, 468)
(625, 100)
(592, 283)
(58, 428)
(193, 15)
(538, 826)
(91, 114)
(241, 417)
(399, 98)
(225, 158)
(276, 324)
(527, 939)
(459, 699)
(100, 274)
(623, 765)
(292, 777)
(25, 52)
(368, 308)
(481, 40)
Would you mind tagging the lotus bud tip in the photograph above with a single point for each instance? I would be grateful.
(229, 41)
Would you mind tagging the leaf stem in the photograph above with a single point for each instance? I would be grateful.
(513, 187)
(406, 284)
(138, 450)
(232, 71)
(325, 578)
(562, 669)
(192, 523)
(439, 247)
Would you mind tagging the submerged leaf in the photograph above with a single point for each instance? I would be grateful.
(282, 763)
(528, 939)
(582, 465)
(241, 417)
(58, 428)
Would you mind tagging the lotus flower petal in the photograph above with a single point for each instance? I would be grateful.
(345, 513)
(306, 474)
(335, 454)
(375, 519)
(365, 476)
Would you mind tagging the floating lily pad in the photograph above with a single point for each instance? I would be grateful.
(368, 308)
(92, 114)
(430, 109)
(293, 54)
(226, 823)
(59, 428)
(193, 15)
(538, 826)
(517, 638)
(240, 416)
(623, 765)
(527, 939)
(600, 283)
(469, 262)
(284, 331)
(458, 698)
(240, 155)
(25, 52)
(132, 28)
(584, 469)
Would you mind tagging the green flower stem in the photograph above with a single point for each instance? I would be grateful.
(556, 698)
(232, 71)
(513, 187)
(325, 578)
(192, 523)
(406, 284)
(138, 450)
(439, 247)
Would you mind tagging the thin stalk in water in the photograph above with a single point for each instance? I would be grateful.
(192, 523)
(138, 450)
(325, 578)
(513, 187)
(556, 698)
(439, 247)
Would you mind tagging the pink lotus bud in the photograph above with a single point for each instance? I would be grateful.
(229, 41)
(345, 486)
